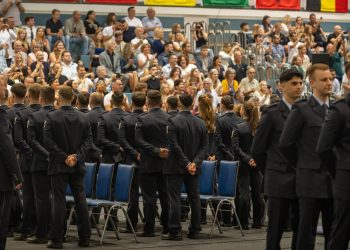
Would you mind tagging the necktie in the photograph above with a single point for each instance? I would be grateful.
(325, 108)
(31, 34)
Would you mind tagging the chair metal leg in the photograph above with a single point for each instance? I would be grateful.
(69, 219)
(235, 213)
(131, 226)
(115, 228)
(215, 218)
(95, 223)
(213, 214)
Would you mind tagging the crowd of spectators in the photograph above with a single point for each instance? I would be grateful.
(91, 57)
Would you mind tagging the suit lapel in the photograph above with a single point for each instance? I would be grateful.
(284, 109)
(316, 107)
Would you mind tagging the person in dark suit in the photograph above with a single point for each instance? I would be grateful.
(249, 181)
(83, 102)
(10, 174)
(18, 91)
(279, 174)
(4, 100)
(188, 138)
(224, 148)
(94, 116)
(107, 131)
(298, 145)
(333, 148)
(151, 139)
(39, 165)
(172, 103)
(67, 137)
(25, 160)
(127, 141)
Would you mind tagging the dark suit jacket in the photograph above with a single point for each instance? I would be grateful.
(20, 136)
(10, 174)
(279, 175)
(242, 139)
(66, 132)
(299, 137)
(127, 135)
(94, 116)
(188, 139)
(35, 134)
(150, 136)
(224, 128)
(107, 136)
(334, 146)
(11, 112)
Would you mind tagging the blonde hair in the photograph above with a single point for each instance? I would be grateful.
(206, 111)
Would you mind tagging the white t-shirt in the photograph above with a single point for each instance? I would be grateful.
(135, 22)
(85, 85)
(141, 57)
(108, 31)
(136, 41)
(108, 97)
(292, 51)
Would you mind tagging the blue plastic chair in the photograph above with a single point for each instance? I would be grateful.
(88, 187)
(121, 197)
(227, 181)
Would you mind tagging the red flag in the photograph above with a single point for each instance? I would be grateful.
(278, 4)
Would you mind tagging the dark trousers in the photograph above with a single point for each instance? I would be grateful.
(151, 183)
(5, 206)
(279, 211)
(133, 207)
(340, 233)
(174, 183)
(59, 216)
(310, 209)
(249, 184)
(28, 219)
(15, 212)
(41, 186)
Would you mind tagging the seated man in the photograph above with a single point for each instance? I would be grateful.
(76, 38)
(109, 59)
(54, 28)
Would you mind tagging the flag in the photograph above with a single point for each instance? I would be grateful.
(228, 3)
(327, 5)
(278, 4)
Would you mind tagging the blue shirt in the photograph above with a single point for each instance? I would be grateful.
(278, 52)
(151, 23)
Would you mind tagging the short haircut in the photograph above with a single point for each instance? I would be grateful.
(138, 99)
(80, 67)
(243, 24)
(227, 101)
(117, 98)
(83, 98)
(172, 102)
(177, 82)
(66, 93)
(313, 68)
(130, 8)
(19, 90)
(256, 36)
(34, 91)
(152, 66)
(54, 11)
(154, 98)
(96, 99)
(27, 19)
(204, 47)
(140, 86)
(289, 74)
(186, 100)
(47, 93)
(168, 43)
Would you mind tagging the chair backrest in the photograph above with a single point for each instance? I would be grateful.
(89, 178)
(123, 182)
(228, 178)
(206, 179)
(104, 181)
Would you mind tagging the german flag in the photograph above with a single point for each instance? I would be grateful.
(327, 5)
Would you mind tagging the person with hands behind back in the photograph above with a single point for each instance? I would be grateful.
(10, 174)
(67, 137)
(188, 137)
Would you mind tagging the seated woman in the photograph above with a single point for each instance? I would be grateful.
(185, 66)
(95, 49)
(262, 94)
(174, 75)
(41, 40)
(128, 65)
(195, 79)
(229, 84)
(214, 76)
(217, 64)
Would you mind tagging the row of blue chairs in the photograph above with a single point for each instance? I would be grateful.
(103, 197)
(226, 191)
